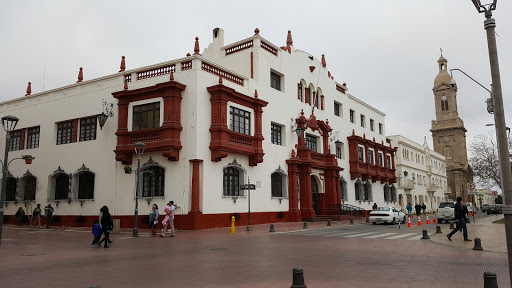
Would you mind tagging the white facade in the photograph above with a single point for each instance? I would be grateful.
(425, 181)
(253, 65)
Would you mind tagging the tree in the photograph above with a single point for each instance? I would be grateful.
(485, 162)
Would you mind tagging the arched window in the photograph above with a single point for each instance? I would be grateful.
(10, 189)
(393, 193)
(300, 93)
(387, 193)
(86, 186)
(343, 189)
(231, 180)
(277, 184)
(368, 191)
(446, 105)
(314, 185)
(153, 182)
(61, 187)
(359, 190)
(30, 183)
(442, 105)
(317, 99)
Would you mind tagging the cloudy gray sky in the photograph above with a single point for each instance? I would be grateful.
(386, 51)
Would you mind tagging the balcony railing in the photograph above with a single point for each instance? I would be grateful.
(406, 184)
(317, 156)
(432, 187)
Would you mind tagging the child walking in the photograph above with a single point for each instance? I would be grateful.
(96, 231)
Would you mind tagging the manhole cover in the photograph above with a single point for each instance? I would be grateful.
(218, 249)
(34, 254)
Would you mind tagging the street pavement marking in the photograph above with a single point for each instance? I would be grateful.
(402, 236)
(341, 234)
(322, 232)
(360, 234)
(380, 235)
(417, 237)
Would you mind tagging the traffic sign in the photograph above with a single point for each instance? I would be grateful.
(471, 188)
(248, 187)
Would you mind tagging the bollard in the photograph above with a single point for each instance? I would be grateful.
(298, 278)
(438, 229)
(425, 235)
(467, 220)
(232, 230)
(490, 280)
(329, 222)
(305, 225)
(367, 219)
(272, 228)
(451, 225)
(351, 221)
(478, 244)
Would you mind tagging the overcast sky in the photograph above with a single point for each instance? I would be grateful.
(386, 51)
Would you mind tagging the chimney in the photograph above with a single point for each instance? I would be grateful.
(218, 38)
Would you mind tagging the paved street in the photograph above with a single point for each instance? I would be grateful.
(360, 255)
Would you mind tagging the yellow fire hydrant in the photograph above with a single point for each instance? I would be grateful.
(233, 229)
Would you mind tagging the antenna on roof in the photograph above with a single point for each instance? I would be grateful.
(441, 51)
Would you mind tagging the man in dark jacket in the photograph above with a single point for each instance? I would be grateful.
(418, 210)
(460, 221)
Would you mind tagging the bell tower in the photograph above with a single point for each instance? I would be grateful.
(449, 134)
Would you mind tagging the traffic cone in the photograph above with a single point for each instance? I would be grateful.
(409, 224)
(419, 221)
(428, 221)
(434, 220)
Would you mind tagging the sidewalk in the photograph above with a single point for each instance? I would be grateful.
(492, 235)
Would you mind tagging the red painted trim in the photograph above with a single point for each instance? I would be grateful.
(22, 140)
(75, 130)
(224, 140)
(195, 186)
(239, 47)
(312, 68)
(165, 138)
(322, 102)
(252, 66)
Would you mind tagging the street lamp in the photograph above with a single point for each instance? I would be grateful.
(139, 150)
(9, 123)
(102, 118)
(499, 120)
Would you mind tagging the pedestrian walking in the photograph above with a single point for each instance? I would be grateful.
(409, 209)
(374, 207)
(106, 226)
(48, 211)
(418, 210)
(19, 215)
(36, 215)
(460, 221)
(96, 232)
(423, 207)
(153, 220)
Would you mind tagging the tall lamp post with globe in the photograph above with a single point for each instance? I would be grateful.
(499, 119)
(139, 150)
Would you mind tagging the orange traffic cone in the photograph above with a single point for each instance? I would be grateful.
(434, 220)
(428, 221)
(419, 221)
(409, 224)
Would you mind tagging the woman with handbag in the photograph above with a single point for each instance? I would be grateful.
(106, 226)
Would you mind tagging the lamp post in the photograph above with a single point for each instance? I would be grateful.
(9, 123)
(139, 150)
(499, 119)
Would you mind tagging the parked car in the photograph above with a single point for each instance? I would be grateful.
(445, 212)
(386, 215)
(494, 209)
(485, 207)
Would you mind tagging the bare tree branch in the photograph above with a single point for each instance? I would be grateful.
(485, 162)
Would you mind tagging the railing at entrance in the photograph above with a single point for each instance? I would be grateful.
(343, 209)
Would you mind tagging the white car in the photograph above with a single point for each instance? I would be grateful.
(386, 215)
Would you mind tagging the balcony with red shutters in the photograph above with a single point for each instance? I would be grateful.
(366, 170)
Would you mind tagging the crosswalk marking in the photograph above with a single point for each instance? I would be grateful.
(380, 235)
(402, 235)
(417, 237)
(360, 234)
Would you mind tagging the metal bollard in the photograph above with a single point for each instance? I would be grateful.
(298, 278)
(351, 221)
(478, 244)
(425, 235)
(367, 219)
(329, 222)
(438, 229)
(305, 225)
(452, 226)
(490, 280)
(272, 228)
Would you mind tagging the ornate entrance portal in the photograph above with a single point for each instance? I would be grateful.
(316, 195)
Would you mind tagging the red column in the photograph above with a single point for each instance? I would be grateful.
(195, 186)
(75, 130)
(122, 123)
(292, 188)
(306, 197)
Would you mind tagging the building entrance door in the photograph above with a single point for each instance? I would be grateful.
(316, 195)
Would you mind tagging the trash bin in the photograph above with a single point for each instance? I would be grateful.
(117, 226)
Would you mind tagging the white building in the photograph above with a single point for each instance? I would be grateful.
(421, 174)
(210, 122)
(484, 196)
